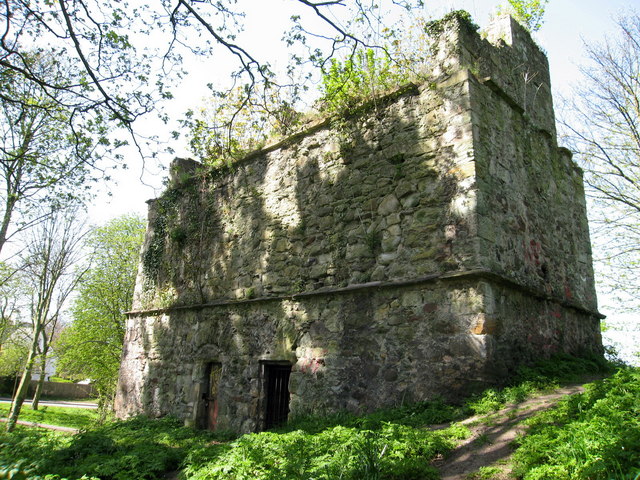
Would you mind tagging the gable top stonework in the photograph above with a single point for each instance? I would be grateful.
(433, 243)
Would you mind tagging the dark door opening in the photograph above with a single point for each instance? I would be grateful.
(210, 395)
(276, 394)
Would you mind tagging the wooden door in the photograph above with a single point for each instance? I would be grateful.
(210, 396)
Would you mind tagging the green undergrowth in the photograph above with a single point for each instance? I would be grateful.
(590, 436)
(412, 415)
(544, 376)
(381, 450)
(390, 444)
(60, 416)
(139, 448)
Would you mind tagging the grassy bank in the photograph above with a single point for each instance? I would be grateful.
(61, 416)
(593, 435)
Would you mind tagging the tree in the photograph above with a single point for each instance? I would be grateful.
(13, 344)
(123, 75)
(602, 126)
(13, 354)
(92, 345)
(52, 272)
(42, 157)
(10, 289)
(528, 12)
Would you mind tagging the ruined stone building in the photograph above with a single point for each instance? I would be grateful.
(426, 247)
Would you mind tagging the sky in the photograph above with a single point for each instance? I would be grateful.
(567, 25)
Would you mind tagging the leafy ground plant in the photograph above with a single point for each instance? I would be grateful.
(594, 435)
(23, 450)
(139, 448)
(389, 444)
(391, 452)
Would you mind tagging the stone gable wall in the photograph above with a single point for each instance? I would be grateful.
(426, 246)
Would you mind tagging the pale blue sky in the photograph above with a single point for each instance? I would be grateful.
(566, 23)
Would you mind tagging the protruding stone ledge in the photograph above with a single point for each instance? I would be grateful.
(456, 275)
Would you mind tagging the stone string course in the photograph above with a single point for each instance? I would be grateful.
(427, 247)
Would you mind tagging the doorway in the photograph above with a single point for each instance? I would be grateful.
(213, 373)
(276, 389)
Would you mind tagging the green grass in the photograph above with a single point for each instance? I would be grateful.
(61, 416)
(60, 380)
(389, 444)
(591, 436)
(542, 377)
(485, 473)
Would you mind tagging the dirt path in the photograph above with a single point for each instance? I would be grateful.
(492, 434)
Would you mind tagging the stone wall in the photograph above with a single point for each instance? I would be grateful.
(63, 390)
(426, 246)
(8, 386)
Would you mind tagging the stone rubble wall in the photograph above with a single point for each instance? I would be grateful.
(530, 205)
(426, 246)
(326, 211)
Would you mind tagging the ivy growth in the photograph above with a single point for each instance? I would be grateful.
(166, 210)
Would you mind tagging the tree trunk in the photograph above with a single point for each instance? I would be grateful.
(6, 220)
(21, 393)
(40, 386)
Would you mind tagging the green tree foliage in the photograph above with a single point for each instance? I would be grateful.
(14, 343)
(601, 125)
(13, 355)
(91, 346)
(44, 158)
(528, 12)
(124, 75)
(11, 287)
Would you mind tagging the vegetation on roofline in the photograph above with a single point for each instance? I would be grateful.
(229, 128)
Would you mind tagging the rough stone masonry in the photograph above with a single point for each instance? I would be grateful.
(426, 247)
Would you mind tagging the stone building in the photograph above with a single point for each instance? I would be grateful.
(427, 247)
